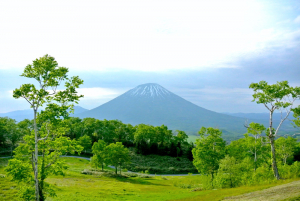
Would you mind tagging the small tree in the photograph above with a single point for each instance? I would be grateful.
(255, 144)
(209, 150)
(49, 76)
(228, 173)
(116, 154)
(99, 154)
(279, 96)
(285, 148)
(85, 141)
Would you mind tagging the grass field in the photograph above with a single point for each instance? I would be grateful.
(75, 186)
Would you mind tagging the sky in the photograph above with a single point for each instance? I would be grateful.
(207, 52)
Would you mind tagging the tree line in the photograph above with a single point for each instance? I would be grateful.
(146, 139)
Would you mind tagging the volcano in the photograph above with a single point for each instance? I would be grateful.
(153, 104)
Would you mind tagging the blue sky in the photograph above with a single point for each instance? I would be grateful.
(207, 52)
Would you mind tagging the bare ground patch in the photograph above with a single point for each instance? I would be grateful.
(281, 192)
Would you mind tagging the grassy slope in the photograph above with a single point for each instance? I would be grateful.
(76, 186)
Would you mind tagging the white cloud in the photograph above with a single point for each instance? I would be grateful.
(135, 35)
(297, 19)
(98, 93)
(94, 97)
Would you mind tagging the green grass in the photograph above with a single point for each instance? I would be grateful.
(75, 186)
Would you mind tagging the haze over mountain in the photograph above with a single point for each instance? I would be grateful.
(153, 104)
(20, 115)
(264, 116)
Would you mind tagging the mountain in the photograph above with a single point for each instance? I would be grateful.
(20, 115)
(152, 104)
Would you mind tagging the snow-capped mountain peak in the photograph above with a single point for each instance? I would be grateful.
(149, 90)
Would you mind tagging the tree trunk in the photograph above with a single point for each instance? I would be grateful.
(271, 136)
(36, 159)
(11, 151)
(116, 168)
(102, 167)
(41, 182)
(273, 153)
(212, 179)
(41, 195)
(255, 157)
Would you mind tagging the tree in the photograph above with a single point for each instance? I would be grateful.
(116, 154)
(255, 144)
(9, 132)
(85, 141)
(279, 96)
(99, 153)
(228, 173)
(49, 76)
(3, 131)
(285, 147)
(209, 150)
(51, 147)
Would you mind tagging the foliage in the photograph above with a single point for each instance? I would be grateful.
(279, 96)
(49, 76)
(117, 155)
(209, 150)
(10, 133)
(51, 148)
(285, 148)
(99, 154)
(85, 141)
(228, 173)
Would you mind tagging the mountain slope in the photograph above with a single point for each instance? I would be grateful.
(153, 104)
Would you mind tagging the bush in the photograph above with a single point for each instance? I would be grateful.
(289, 171)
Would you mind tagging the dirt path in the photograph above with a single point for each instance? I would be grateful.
(281, 192)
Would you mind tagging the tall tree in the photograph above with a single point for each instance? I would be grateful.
(49, 76)
(279, 96)
(209, 150)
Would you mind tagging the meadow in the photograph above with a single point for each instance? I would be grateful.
(75, 186)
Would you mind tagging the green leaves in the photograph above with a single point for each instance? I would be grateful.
(116, 154)
(47, 139)
(49, 75)
(277, 94)
(85, 141)
(209, 150)
(255, 128)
